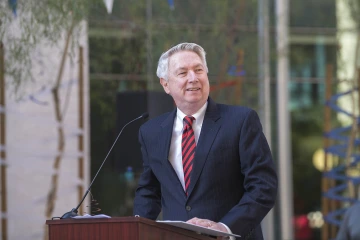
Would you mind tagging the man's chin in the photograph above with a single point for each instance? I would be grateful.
(193, 99)
(196, 101)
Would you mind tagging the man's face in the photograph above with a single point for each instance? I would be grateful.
(188, 82)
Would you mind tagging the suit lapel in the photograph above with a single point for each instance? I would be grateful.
(165, 134)
(209, 130)
(165, 138)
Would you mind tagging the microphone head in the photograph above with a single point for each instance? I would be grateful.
(145, 115)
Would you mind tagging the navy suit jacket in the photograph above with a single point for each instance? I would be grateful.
(233, 180)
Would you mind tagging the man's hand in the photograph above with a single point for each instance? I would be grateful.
(208, 224)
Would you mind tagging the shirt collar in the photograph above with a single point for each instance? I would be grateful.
(199, 115)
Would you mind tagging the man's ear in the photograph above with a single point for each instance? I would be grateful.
(165, 85)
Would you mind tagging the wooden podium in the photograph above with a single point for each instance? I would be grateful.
(119, 228)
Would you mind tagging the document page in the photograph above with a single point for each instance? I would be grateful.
(198, 229)
(92, 216)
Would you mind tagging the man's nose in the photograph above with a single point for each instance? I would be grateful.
(192, 76)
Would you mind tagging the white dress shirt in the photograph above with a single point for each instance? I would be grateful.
(175, 153)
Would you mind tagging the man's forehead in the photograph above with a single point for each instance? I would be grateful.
(176, 63)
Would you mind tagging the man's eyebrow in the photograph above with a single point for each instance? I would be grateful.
(198, 65)
(184, 68)
(180, 68)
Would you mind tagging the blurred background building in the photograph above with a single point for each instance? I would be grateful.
(124, 40)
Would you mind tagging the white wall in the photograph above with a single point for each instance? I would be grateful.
(31, 141)
(347, 37)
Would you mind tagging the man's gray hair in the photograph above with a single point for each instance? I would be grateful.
(163, 65)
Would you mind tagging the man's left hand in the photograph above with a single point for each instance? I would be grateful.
(208, 224)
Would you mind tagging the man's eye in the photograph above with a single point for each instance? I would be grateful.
(182, 73)
(199, 70)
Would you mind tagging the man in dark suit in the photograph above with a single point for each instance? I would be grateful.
(205, 163)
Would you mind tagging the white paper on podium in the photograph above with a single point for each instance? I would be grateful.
(198, 229)
(92, 216)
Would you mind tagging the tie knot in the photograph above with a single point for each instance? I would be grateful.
(189, 120)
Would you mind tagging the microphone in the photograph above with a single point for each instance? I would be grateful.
(74, 211)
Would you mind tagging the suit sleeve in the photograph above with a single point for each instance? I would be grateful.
(260, 179)
(147, 202)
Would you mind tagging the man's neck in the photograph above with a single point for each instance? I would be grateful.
(192, 111)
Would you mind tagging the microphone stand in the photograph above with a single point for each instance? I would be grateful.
(74, 211)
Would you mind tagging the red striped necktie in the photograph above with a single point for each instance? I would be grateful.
(188, 146)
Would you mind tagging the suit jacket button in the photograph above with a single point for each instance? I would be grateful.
(188, 208)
